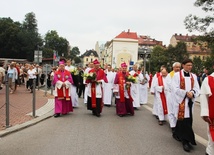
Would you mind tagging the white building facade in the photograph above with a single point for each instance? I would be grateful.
(124, 50)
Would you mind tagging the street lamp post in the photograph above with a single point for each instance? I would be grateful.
(103, 62)
(145, 53)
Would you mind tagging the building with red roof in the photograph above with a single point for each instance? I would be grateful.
(194, 48)
(126, 47)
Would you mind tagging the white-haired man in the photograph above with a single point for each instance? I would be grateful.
(172, 119)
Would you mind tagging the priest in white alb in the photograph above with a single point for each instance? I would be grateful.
(152, 90)
(143, 86)
(207, 109)
(162, 93)
(185, 88)
(172, 119)
(108, 87)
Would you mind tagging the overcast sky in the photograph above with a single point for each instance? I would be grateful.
(84, 22)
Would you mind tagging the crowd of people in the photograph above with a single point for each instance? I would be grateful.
(18, 74)
(174, 93)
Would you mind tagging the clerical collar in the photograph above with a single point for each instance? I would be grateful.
(186, 73)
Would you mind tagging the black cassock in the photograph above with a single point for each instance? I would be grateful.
(184, 129)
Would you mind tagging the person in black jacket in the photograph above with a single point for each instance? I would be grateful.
(81, 86)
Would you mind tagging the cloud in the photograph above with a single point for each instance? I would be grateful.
(83, 23)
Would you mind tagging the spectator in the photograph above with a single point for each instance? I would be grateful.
(32, 75)
(81, 85)
(2, 74)
(205, 74)
(12, 77)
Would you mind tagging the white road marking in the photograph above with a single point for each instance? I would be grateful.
(197, 137)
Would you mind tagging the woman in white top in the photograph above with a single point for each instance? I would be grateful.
(31, 75)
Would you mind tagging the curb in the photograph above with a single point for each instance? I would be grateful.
(43, 115)
(26, 124)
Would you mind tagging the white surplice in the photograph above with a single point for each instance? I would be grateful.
(204, 94)
(143, 88)
(158, 90)
(86, 87)
(152, 90)
(135, 91)
(73, 89)
(179, 94)
(107, 95)
(170, 104)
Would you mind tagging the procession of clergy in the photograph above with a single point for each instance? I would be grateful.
(174, 95)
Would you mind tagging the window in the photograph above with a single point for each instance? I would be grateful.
(86, 59)
(203, 58)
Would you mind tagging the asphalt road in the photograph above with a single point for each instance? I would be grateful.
(81, 133)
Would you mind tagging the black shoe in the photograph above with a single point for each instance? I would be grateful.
(120, 115)
(156, 117)
(176, 137)
(56, 115)
(206, 153)
(135, 108)
(190, 146)
(186, 147)
(173, 129)
(160, 122)
(98, 115)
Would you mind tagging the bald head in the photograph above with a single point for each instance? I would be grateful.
(162, 67)
(164, 72)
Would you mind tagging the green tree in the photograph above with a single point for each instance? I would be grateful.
(32, 39)
(197, 65)
(74, 52)
(158, 58)
(77, 60)
(176, 54)
(30, 23)
(203, 24)
(54, 42)
(11, 40)
(208, 63)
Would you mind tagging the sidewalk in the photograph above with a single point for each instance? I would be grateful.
(20, 109)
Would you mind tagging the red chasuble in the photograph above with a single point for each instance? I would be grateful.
(100, 75)
(162, 95)
(211, 106)
(63, 93)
